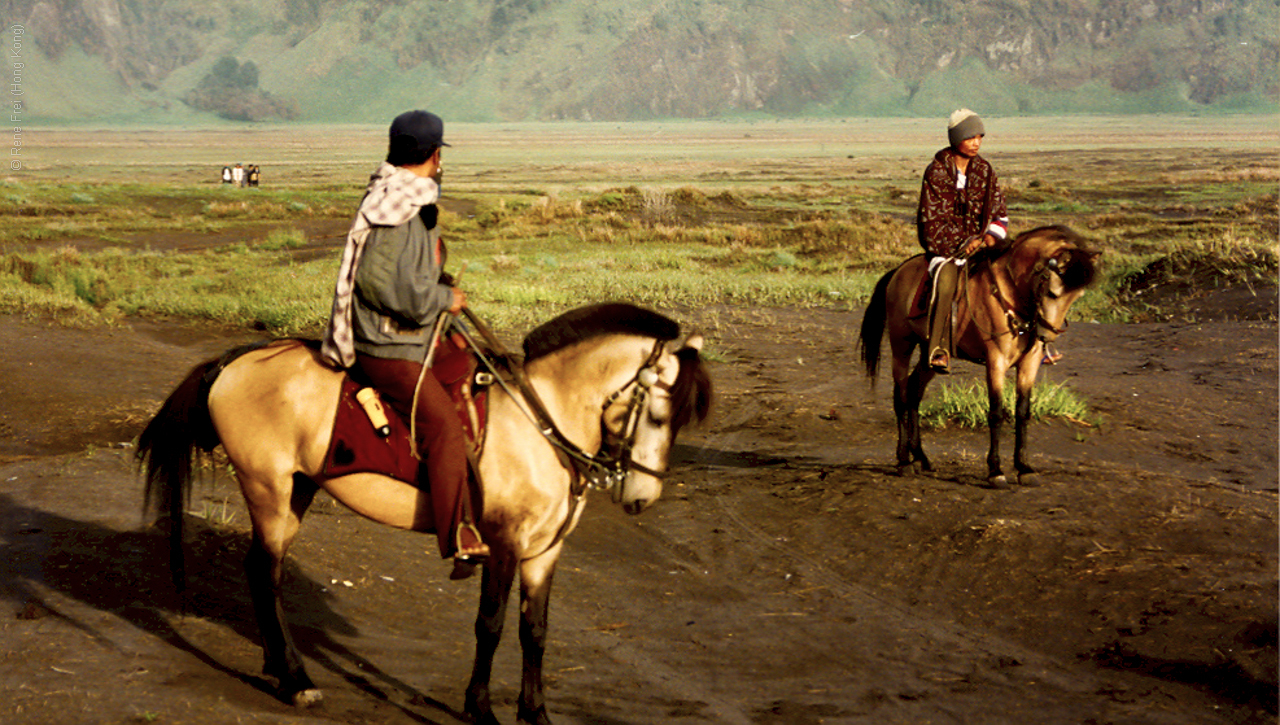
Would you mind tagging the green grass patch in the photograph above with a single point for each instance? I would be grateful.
(966, 405)
(541, 222)
(526, 258)
(279, 239)
(43, 211)
(236, 286)
(514, 282)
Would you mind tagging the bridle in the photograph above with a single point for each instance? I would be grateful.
(612, 463)
(1021, 322)
(604, 470)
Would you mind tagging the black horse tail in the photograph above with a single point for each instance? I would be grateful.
(873, 322)
(170, 447)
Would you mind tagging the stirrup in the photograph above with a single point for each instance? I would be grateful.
(464, 565)
(473, 533)
(940, 361)
(1051, 356)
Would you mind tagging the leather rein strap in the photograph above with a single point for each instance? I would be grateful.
(1019, 322)
(1039, 278)
(586, 470)
(596, 469)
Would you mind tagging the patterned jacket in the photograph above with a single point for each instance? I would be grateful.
(955, 208)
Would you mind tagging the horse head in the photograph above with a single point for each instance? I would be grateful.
(651, 386)
(1052, 268)
(669, 391)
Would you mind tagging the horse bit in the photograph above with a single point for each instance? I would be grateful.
(607, 472)
(610, 466)
(1021, 323)
(607, 469)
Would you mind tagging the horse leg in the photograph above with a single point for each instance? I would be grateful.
(902, 411)
(535, 596)
(1027, 372)
(908, 391)
(916, 385)
(495, 588)
(995, 421)
(275, 523)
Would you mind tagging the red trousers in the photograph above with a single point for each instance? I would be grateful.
(441, 439)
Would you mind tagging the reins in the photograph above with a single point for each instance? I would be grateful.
(601, 472)
(1021, 323)
(1018, 322)
(593, 468)
(645, 380)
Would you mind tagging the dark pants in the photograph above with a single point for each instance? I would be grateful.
(440, 438)
(944, 293)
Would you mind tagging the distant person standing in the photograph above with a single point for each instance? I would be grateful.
(962, 209)
(226, 174)
(254, 174)
(237, 175)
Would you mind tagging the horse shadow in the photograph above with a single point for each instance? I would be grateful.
(126, 573)
(703, 456)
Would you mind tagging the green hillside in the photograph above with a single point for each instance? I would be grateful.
(158, 61)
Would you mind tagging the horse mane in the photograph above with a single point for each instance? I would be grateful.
(584, 323)
(1077, 266)
(691, 392)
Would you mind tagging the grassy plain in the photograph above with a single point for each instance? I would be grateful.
(100, 224)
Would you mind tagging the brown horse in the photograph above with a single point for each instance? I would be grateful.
(1012, 302)
(601, 395)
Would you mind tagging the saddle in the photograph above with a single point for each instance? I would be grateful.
(357, 446)
(922, 296)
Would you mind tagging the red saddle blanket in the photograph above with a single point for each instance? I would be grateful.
(356, 447)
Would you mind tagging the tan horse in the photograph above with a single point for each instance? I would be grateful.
(600, 398)
(1011, 303)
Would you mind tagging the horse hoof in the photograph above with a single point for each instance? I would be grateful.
(907, 470)
(1029, 479)
(998, 482)
(533, 717)
(307, 698)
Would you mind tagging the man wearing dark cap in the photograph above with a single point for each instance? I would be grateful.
(962, 210)
(390, 292)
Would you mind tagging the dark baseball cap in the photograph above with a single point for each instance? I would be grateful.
(420, 131)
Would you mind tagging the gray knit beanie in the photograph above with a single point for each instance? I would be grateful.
(964, 124)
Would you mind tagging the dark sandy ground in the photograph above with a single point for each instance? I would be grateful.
(786, 577)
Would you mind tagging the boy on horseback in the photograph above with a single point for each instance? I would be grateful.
(962, 210)
(391, 289)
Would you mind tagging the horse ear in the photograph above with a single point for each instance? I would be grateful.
(694, 341)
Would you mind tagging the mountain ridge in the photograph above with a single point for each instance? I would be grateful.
(536, 60)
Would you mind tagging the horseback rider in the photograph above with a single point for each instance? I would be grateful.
(391, 289)
(962, 209)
